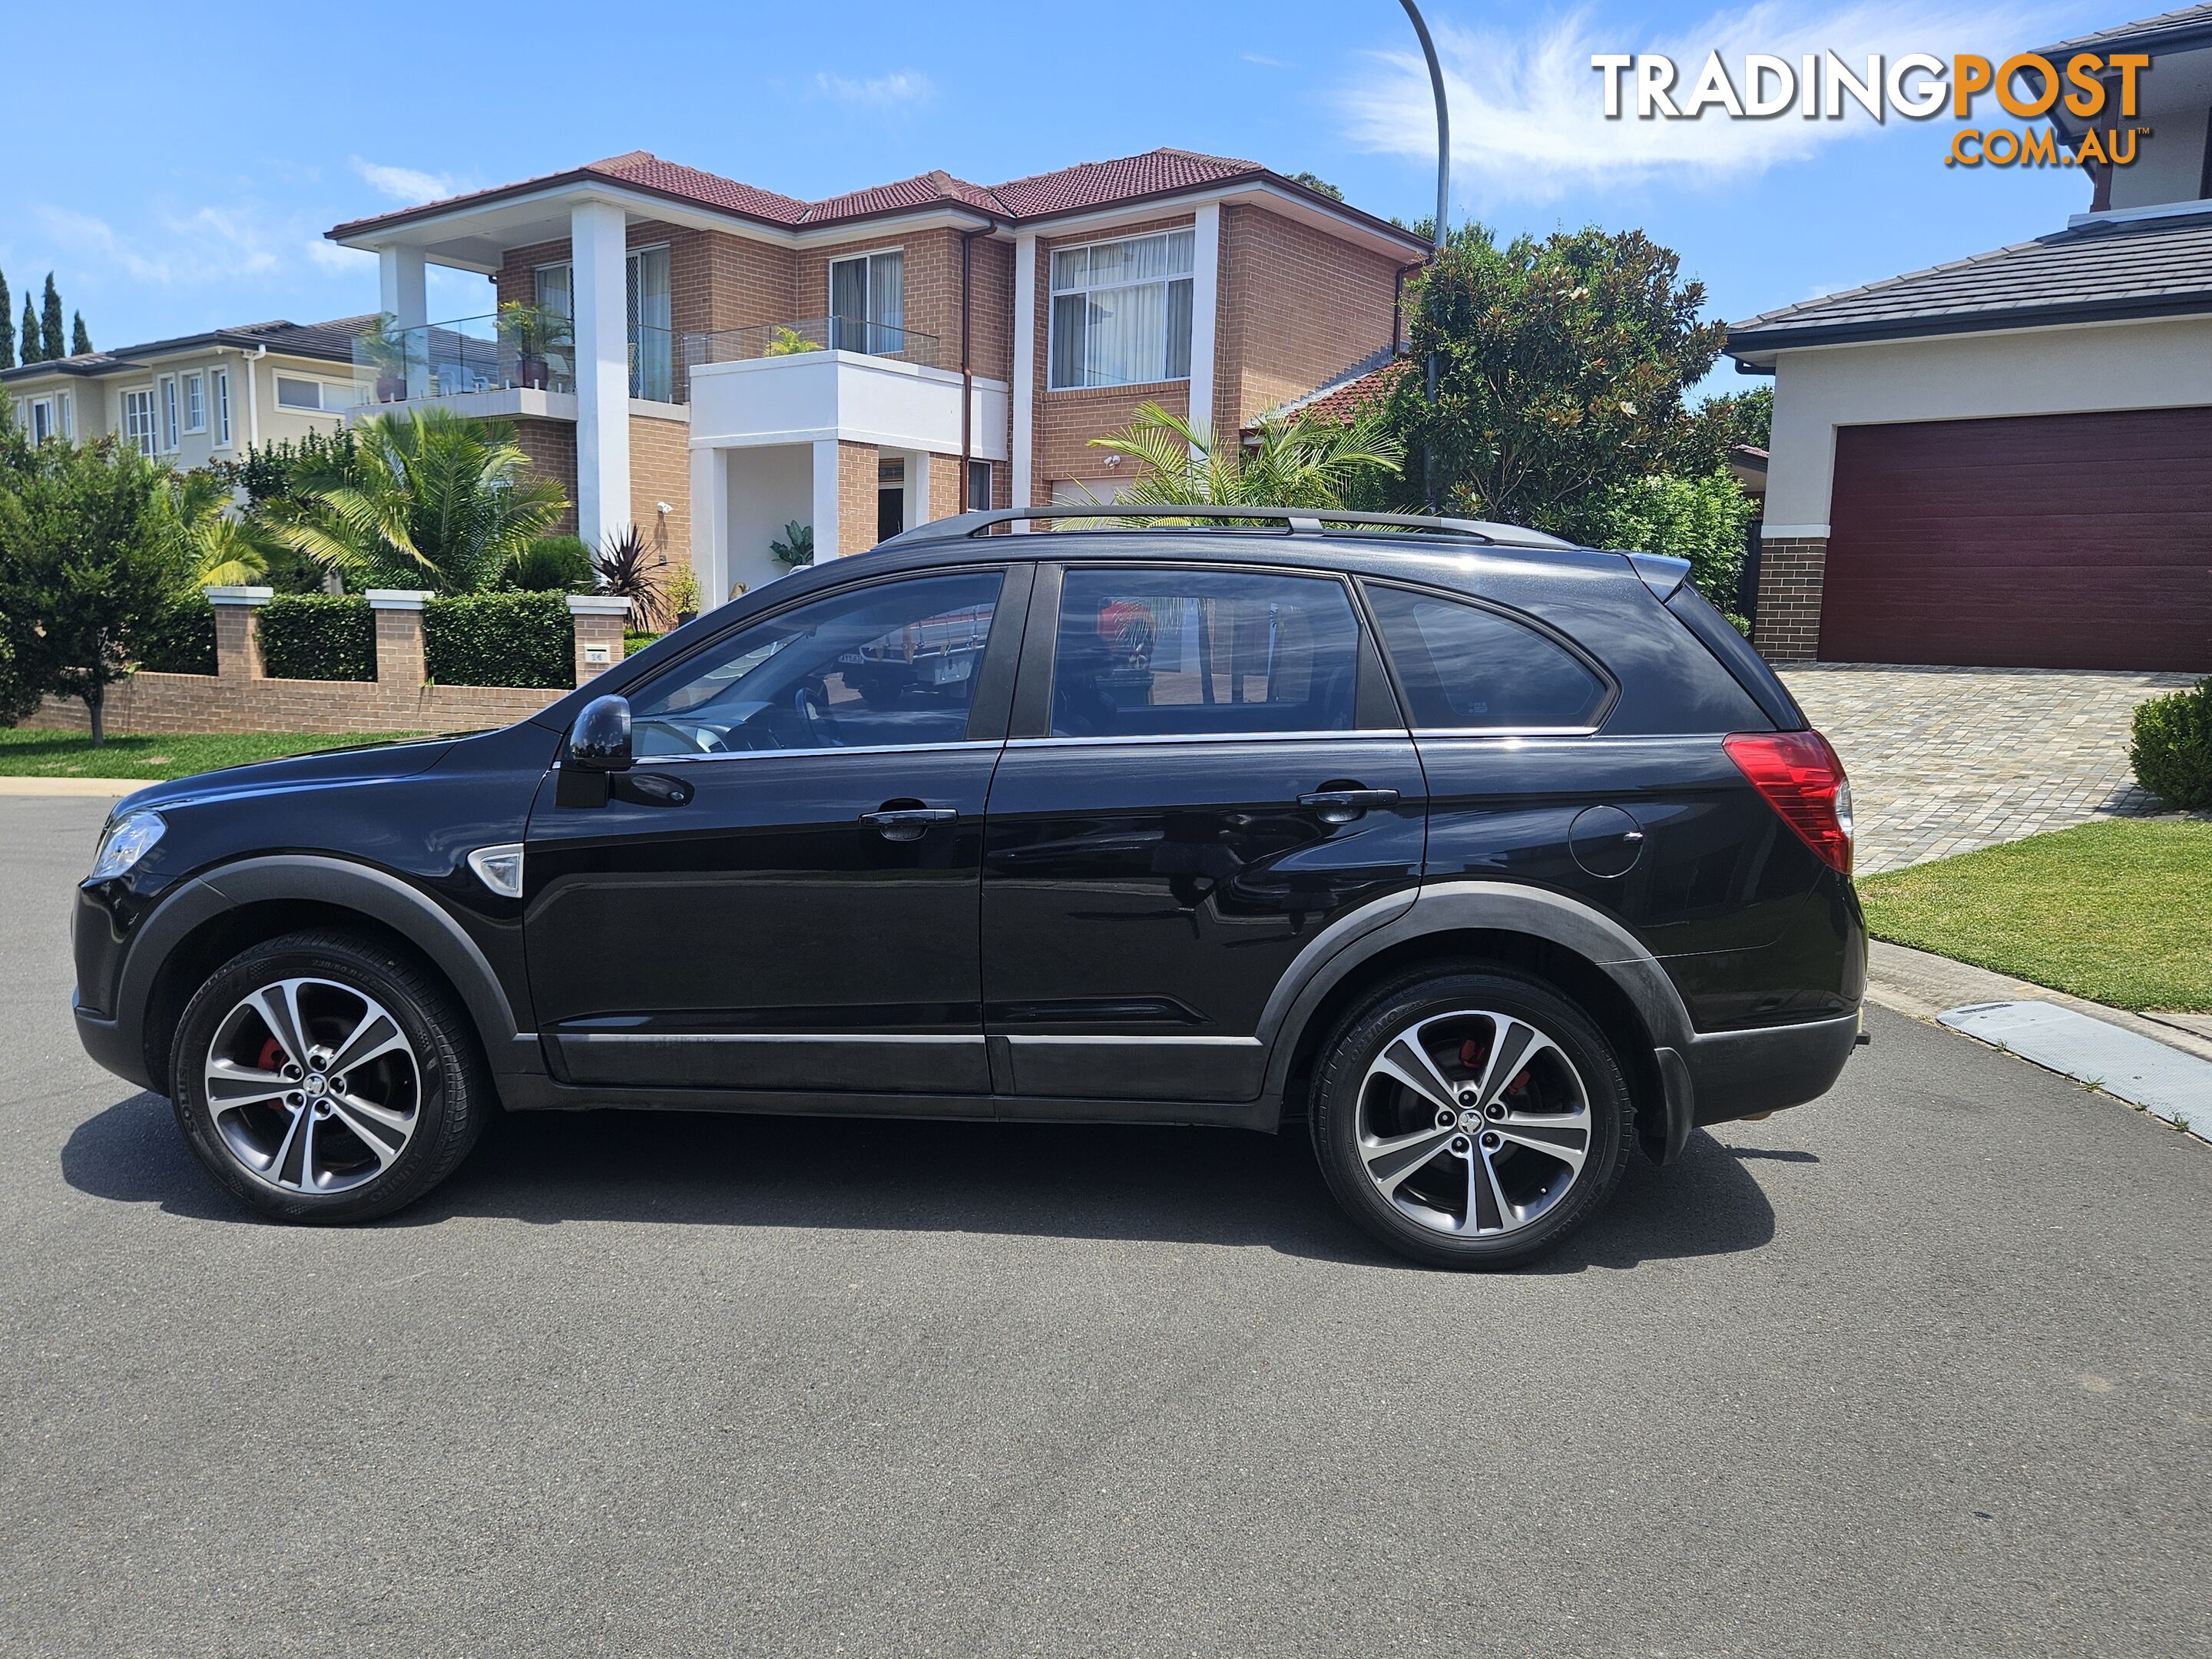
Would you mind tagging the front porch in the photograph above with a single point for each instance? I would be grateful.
(854, 445)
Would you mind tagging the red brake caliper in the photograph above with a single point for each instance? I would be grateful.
(272, 1056)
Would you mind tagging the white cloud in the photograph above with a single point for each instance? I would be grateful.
(217, 243)
(407, 185)
(903, 88)
(1528, 112)
(1264, 63)
(340, 261)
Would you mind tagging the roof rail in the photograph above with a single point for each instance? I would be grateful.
(1296, 520)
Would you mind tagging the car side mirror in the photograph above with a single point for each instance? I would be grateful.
(598, 746)
(600, 740)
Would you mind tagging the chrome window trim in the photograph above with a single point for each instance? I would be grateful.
(651, 762)
(1368, 734)
(1506, 732)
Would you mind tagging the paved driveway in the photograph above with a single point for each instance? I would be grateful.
(1945, 760)
(1917, 1371)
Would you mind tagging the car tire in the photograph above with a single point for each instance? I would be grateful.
(326, 1078)
(1470, 1119)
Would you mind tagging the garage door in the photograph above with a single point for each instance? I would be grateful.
(2063, 541)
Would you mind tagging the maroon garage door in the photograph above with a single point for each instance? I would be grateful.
(2056, 541)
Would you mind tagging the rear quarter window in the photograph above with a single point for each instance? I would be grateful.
(1466, 667)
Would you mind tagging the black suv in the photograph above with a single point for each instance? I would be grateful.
(1486, 855)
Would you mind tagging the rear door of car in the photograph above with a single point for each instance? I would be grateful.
(1207, 769)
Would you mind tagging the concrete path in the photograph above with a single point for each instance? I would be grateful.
(1946, 759)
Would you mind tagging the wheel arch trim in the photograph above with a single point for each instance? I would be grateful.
(1461, 906)
(374, 894)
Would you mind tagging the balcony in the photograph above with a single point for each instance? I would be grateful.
(504, 363)
(805, 336)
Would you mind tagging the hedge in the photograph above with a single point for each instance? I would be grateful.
(182, 642)
(2172, 753)
(501, 638)
(318, 637)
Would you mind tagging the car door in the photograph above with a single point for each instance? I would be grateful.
(781, 895)
(1208, 770)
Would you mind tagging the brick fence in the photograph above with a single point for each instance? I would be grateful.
(1788, 626)
(239, 697)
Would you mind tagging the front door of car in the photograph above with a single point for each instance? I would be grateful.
(1207, 770)
(798, 913)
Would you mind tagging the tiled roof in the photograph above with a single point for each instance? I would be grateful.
(1342, 398)
(1067, 190)
(2188, 19)
(331, 341)
(2086, 273)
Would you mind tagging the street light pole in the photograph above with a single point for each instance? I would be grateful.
(1444, 205)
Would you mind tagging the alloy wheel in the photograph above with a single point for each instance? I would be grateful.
(1474, 1123)
(313, 1087)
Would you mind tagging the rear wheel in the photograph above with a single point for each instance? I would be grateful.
(322, 1077)
(1472, 1119)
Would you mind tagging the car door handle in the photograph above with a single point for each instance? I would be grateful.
(1343, 806)
(908, 823)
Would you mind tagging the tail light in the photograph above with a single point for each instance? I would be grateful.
(1801, 779)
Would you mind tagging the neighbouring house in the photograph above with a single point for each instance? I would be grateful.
(2007, 460)
(199, 397)
(710, 361)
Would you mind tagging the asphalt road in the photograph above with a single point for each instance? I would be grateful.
(1920, 1369)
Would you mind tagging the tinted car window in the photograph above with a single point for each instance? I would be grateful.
(1199, 653)
(1462, 667)
(893, 663)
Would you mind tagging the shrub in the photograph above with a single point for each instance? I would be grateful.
(500, 639)
(2172, 753)
(1702, 519)
(182, 641)
(551, 564)
(318, 637)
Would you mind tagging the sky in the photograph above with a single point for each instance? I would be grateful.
(186, 178)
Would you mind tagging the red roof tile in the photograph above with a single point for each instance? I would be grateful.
(1341, 399)
(1087, 185)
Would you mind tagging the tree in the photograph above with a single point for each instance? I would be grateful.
(1297, 462)
(221, 548)
(1719, 423)
(28, 348)
(91, 564)
(1314, 181)
(7, 326)
(53, 341)
(1561, 367)
(431, 496)
(79, 341)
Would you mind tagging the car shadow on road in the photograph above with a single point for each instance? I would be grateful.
(1194, 1185)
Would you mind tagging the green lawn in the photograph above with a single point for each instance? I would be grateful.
(71, 753)
(2119, 912)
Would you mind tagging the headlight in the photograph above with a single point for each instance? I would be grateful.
(128, 839)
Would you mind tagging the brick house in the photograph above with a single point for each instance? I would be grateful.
(711, 360)
(2007, 460)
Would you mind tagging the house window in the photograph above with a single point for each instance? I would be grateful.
(319, 396)
(222, 409)
(651, 359)
(1120, 311)
(42, 419)
(168, 411)
(867, 303)
(68, 413)
(139, 419)
(195, 386)
(979, 486)
(556, 289)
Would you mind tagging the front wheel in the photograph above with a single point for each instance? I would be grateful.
(1470, 1119)
(325, 1078)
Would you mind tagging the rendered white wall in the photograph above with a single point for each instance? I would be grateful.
(767, 487)
(598, 252)
(2164, 364)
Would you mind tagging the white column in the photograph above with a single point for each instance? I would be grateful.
(403, 296)
(596, 261)
(917, 488)
(1022, 481)
(401, 291)
(710, 525)
(1205, 307)
(825, 500)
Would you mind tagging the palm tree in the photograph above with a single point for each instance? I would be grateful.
(1297, 462)
(222, 550)
(431, 496)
